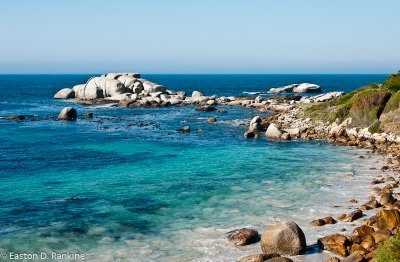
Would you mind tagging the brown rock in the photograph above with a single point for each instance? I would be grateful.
(358, 248)
(362, 231)
(388, 219)
(222, 111)
(243, 236)
(352, 216)
(369, 243)
(355, 257)
(329, 220)
(317, 223)
(258, 258)
(333, 259)
(381, 235)
(370, 256)
(384, 168)
(336, 243)
(387, 199)
(280, 259)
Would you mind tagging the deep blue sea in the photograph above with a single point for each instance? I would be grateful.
(127, 186)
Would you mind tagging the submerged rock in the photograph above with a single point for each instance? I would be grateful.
(243, 236)
(68, 113)
(284, 238)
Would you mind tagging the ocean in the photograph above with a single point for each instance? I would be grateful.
(127, 186)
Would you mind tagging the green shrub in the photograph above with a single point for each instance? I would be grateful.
(375, 128)
(389, 251)
(392, 83)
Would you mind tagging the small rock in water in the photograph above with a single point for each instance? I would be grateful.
(212, 119)
(205, 108)
(222, 111)
(68, 113)
(185, 129)
(88, 115)
(352, 216)
(243, 236)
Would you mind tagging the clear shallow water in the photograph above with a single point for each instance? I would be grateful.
(127, 186)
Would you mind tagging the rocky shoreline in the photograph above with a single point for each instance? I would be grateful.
(289, 120)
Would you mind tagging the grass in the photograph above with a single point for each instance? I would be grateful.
(393, 103)
(389, 251)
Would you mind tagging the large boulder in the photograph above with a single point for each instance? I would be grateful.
(68, 113)
(243, 236)
(65, 93)
(284, 238)
(273, 131)
(307, 88)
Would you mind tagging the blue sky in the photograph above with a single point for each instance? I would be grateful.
(150, 36)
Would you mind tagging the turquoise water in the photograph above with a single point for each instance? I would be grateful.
(126, 186)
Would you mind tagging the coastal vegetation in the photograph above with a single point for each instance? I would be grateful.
(390, 250)
(372, 106)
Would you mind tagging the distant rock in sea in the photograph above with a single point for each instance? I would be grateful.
(296, 88)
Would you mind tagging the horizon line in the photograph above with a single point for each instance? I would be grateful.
(4, 74)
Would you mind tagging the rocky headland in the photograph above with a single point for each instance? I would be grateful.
(367, 117)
